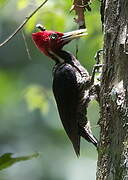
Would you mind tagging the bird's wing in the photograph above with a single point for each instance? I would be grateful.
(66, 94)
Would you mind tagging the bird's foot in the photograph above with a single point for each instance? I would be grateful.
(99, 56)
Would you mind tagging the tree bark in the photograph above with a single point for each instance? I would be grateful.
(113, 146)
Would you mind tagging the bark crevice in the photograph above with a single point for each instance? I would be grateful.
(113, 147)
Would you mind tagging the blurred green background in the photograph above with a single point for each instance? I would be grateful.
(29, 121)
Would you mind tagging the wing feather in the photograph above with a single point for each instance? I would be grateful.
(66, 95)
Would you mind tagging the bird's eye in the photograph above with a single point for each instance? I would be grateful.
(54, 36)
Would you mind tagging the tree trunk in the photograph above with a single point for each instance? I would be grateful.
(113, 146)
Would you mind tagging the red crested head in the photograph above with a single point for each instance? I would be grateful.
(48, 41)
(52, 41)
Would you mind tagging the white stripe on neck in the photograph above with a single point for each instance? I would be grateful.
(57, 57)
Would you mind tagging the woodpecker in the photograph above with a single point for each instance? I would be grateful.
(71, 83)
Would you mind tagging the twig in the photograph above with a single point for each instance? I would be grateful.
(22, 25)
(26, 46)
(79, 6)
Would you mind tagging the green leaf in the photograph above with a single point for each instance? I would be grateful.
(2, 2)
(8, 82)
(36, 98)
(6, 160)
(22, 4)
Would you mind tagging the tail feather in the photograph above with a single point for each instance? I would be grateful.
(77, 150)
(86, 133)
(76, 145)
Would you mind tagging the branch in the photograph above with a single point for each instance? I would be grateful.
(79, 6)
(22, 25)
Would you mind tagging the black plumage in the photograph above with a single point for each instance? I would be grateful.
(71, 84)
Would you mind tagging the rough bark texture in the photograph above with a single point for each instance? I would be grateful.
(113, 147)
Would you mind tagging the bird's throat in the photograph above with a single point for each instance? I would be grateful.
(61, 56)
(56, 57)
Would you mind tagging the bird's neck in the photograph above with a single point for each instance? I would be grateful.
(62, 57)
